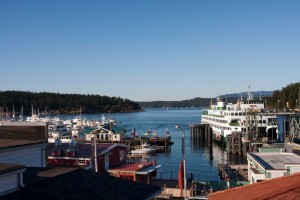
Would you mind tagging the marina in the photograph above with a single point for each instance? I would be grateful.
(187, 140)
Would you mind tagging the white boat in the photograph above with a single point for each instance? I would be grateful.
(63, 139)
(244, 116)
(145, 149)
(57, 125)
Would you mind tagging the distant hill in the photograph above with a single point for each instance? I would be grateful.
(196, 102)
(256, 94)
(200, 102)
(46, 102)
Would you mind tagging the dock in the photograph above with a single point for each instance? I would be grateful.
(233, 172)
(201, 132)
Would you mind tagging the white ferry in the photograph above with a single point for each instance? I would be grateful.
(244, 116)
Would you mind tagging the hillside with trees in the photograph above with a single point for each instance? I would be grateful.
(64, 103)
(202, 102)
(196, 102)
(287, 97)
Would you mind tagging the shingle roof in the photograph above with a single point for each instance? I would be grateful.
(286, 187)
(87, 185)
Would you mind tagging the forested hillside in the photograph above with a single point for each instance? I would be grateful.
(196, 102)
(286, 97)
(64, 103)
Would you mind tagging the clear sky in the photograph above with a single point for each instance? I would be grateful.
(149, 50)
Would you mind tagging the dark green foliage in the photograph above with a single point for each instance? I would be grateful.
(196, 102)
(64, 103)
(289, 94)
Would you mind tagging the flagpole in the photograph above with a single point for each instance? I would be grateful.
(184, 170)
(183, 157)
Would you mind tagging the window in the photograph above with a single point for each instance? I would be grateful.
(81, 162)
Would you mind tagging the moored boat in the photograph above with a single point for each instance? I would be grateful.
(244, 116)
(144, 149)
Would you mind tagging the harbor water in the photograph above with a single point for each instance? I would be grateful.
(201, 160)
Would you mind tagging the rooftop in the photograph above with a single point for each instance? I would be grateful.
(133, 166)
(84, 150)
(79, 184)
(286, 187)
(275, 160)
(15, 134)
(7, 168)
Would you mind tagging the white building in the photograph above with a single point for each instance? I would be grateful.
(270, 163)
(22, 144)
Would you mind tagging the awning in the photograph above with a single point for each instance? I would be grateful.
(148, 169)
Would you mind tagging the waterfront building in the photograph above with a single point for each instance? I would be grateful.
(138, 172)
(23, 143)
(270, 163)
(81, 155)
(24, 175)
(105, 135)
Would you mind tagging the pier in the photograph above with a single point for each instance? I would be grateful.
(201, 132)
(233, 172)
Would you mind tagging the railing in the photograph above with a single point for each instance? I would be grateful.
(172, 176)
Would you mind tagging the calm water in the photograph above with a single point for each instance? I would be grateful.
(201, 160)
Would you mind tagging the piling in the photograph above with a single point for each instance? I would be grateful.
(234, 143)
(201, 133)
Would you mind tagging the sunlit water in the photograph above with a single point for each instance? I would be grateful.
(201, 160)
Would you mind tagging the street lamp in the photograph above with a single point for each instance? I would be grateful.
(183, 157)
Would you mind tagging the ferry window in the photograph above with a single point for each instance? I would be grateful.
(264, 121)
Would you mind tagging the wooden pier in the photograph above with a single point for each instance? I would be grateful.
(233, 172)
(201, 132)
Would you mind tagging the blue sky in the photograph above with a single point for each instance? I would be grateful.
(149, 50)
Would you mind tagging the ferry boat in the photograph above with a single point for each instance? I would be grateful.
(244, 116)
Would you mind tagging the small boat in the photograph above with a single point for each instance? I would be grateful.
(63, 139)
(145, 148)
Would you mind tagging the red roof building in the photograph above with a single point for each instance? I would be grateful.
(139, 172)
(83, 155)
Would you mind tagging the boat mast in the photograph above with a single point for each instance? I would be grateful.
(260, 96)
(80, 112)
(21, 114)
